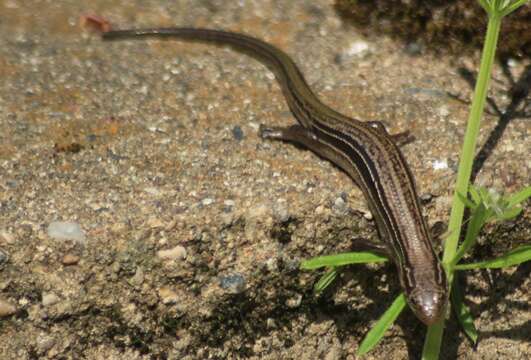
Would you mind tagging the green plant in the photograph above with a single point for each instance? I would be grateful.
(485, 206)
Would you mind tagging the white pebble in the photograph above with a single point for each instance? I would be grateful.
(358, 48)
(280, 211)
(294, 302)
(207, 201)
(512, 62)
(270, 323)
(339, 202)
(439, 164)
(66, 230)
(176, 253)
(443, 111)
(229, 202)
(49, 299)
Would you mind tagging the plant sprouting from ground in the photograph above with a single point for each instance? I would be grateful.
(485, 206)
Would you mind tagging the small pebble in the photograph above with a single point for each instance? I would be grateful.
(237, 132)
(358, 48)
(414, 48)
(49, 299)
(340, 205)
(272, 264)
(270, 323)
(416, 91)
(207, 201)
(168, 296)
(66, 230)
(234, 283)
(426, 198)
(320, 210)
(229, 203)
(176, 253)
(339, 202)
(228, 206)
(443, 111)
(294, 302)
(512, 62)
(70, 259)
(6, 309)
(280, 211)
(24, 301)
(439, 164)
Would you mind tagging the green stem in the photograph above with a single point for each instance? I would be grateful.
(472, 131)
(433, 340)
(432, 344)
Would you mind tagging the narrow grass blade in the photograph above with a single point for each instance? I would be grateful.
(325, 280)
(432, 343)
(509, 213)
(468, 203)
(509, 9)
(342, 259)
(479, 217)
(520, 197)
(484, 5)
(474, 194)
(377, 332)
(462, 312)
(514, 257)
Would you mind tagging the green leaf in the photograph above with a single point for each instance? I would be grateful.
(376, 333)
(519, 197)
(487, 196)
(342, 259)
(462, 312)
(485, 5)
(325, 280)
(468, 203)
(514, 257)
(475, 194)
(499, 207)
(512, 7)
(509, 213)
(432, 343)
(479, 217)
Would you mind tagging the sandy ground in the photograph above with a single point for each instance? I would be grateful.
(194, 227)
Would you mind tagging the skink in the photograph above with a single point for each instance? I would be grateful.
(364, 150)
